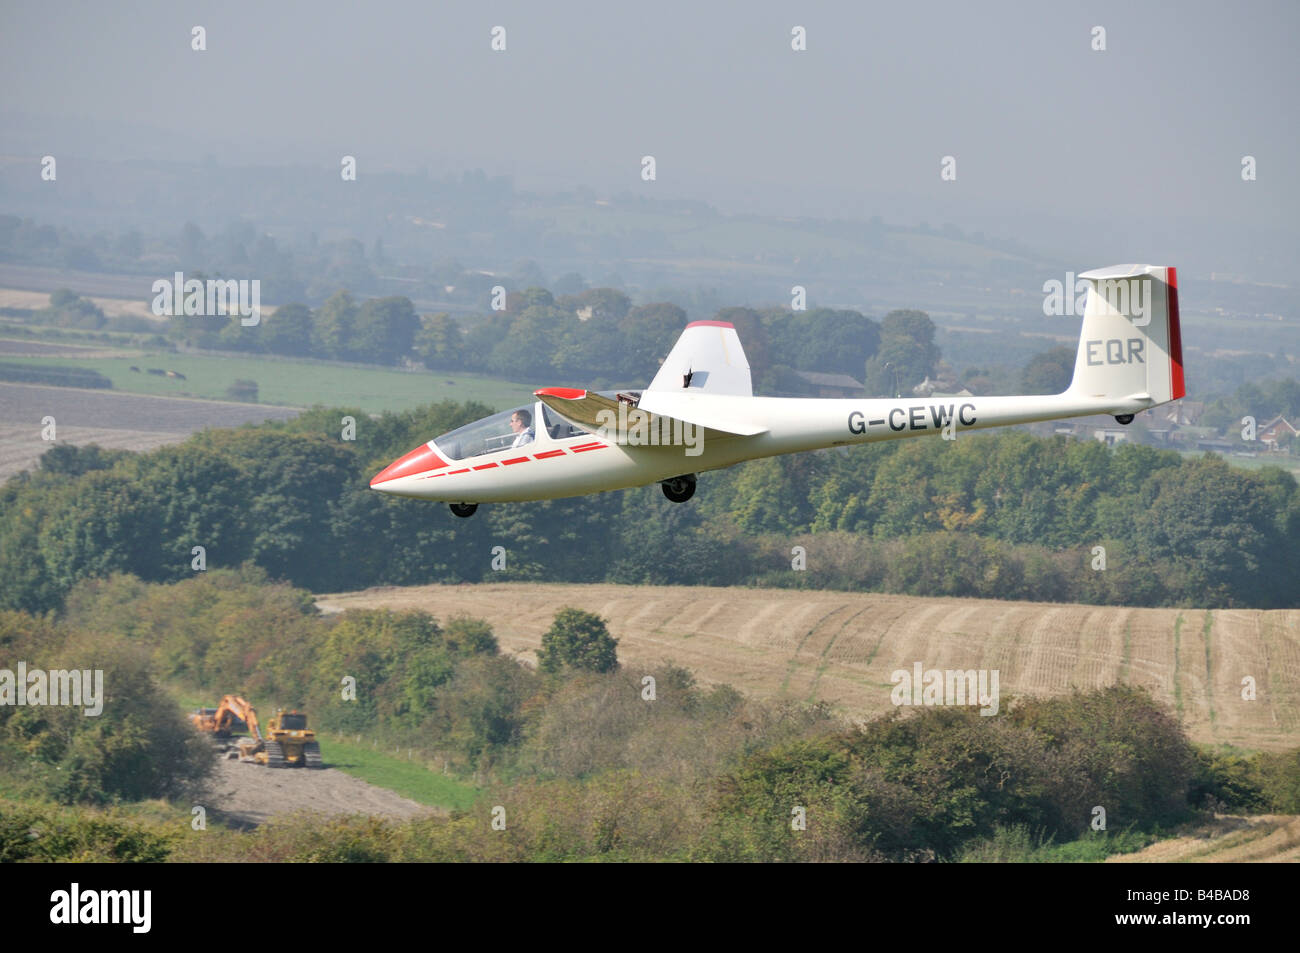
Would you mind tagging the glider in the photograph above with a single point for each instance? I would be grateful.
(700, 413)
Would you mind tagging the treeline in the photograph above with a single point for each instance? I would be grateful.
(1263, 401)
(48, 374)
(585, 766)
(1003, 515)
(595, 337)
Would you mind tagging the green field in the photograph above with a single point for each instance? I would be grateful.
(385, 769)
(1284, 462)
(294, 383)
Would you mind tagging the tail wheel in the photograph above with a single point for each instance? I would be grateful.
(463, 510)
(679, 489)
(1124, 419)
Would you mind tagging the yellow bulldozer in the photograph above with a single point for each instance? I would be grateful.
(288, 742)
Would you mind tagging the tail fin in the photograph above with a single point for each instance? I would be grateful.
(707, 358)
(1131, 345)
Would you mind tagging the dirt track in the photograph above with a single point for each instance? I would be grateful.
(249, 794)
(842, 647)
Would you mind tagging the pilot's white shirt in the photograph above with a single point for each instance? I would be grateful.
(523, 437)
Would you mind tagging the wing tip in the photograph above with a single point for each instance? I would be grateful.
(564, 393)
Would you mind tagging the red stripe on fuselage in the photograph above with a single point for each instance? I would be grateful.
(506, 463)
(548, 453)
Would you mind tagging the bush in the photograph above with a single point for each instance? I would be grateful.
(1226, 782)
(47, 835)
(1280, 781)
(139, 746)
(578, 640)
(1115, 747)
(243, 390)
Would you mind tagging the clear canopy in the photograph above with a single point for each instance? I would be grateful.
(558, 427)
(510, 428)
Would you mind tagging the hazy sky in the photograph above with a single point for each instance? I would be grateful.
(1137, 140)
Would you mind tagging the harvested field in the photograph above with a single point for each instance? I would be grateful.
(842, 647)
(126, 421)
(112, 307)
(1228, 839)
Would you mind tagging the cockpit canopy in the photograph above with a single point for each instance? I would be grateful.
(489, 434)
(499, 432)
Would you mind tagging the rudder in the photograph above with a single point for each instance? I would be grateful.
(1130, 345)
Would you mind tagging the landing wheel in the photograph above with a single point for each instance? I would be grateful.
(1124, 419)
(679, 489)
(463, 510)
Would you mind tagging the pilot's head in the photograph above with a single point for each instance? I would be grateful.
(520, 420)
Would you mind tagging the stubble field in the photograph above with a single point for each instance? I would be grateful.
(843, 647)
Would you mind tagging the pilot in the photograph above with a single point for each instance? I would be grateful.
(521, 423)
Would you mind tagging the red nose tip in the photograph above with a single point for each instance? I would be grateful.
(419, 460)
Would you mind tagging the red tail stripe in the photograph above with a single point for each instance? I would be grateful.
(1177, 388)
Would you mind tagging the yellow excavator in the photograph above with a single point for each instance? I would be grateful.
(288, 742)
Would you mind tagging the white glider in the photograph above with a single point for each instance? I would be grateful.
(699, 413)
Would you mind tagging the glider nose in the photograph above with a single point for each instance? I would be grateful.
(420, 460)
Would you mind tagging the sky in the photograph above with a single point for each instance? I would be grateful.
(1140, 144)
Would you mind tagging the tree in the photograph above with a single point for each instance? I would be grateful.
(907, 353)
(333, 329)
(438, 343)
(648, 334)
(607, 303)
(384, 330)
(827, 340)
(571, 283)
(1049, 372)
(288, 330)
(69, 460)
(528, 350)
(68, 310)
(580, 640)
